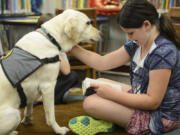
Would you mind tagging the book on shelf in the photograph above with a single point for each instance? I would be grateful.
(4, 38)
(1, 49)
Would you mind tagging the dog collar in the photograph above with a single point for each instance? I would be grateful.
(51, 38)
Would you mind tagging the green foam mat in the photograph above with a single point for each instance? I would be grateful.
(85, 125)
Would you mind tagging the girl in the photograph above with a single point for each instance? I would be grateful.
(151, 105)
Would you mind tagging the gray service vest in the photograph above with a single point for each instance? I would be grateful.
(18, 64)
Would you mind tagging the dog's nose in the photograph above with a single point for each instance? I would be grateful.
(100, 33)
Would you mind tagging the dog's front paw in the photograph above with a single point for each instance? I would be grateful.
(27, 121)
(62, 130)
(13, 133)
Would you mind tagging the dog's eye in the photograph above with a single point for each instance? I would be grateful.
(89, 22)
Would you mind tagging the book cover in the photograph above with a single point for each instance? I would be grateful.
(157, 4)
(1, 49)
(170, 3)
(87, 89)
(167, 4)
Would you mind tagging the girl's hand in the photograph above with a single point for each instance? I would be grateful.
(64, 66)
(102, 90)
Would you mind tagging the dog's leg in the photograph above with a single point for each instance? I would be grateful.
(48, 103)
(27, 120)
(9, 119)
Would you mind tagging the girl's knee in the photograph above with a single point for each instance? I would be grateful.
(89, 104)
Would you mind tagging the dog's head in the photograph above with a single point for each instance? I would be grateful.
(70, 28)
(78, 27)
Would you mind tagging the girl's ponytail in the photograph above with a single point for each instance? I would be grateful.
(167, 30)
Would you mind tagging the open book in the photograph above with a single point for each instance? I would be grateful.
(87, 90)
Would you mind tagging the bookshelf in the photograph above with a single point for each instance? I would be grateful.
(163, 5)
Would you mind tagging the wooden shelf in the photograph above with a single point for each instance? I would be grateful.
(18, 15)
(19, 19)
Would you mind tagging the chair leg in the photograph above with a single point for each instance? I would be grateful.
(87, 72)
(94, 73)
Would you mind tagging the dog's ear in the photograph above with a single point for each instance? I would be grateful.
(71, 29)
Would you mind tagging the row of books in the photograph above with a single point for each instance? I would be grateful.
(165, 4)
(15, 6)
(159, 4)
(73, 3)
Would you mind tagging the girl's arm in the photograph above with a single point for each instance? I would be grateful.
(157, 87)
(64, 66)
(112, 60)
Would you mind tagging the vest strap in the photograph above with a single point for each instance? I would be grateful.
(50, 60)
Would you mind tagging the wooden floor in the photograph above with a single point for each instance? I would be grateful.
(63, 114)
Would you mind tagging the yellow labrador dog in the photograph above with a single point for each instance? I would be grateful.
(60, 33)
